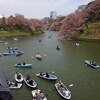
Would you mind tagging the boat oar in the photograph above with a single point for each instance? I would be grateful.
(70, 85)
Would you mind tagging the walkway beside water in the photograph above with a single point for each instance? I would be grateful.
(4, 89)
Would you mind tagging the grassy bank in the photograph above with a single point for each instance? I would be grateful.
(38, 31)
(92, 32)
(5, 33)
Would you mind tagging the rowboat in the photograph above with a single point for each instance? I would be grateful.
(10, 48)
(58, 48)
(88, 62)
(38, 56)
(77, 44)
(8, 53)
(63, 91)
(49, 77)
(15, 38)
(19, 77)
(34, 84)
(23, 66)
(19, 53)
(12, 86)
(38, 95)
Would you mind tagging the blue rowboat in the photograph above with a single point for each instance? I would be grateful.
(50, 76)
(8, 53)
(23, 66)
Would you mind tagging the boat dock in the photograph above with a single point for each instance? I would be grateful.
(4, 89)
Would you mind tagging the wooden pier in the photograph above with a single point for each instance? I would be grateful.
(4, 89)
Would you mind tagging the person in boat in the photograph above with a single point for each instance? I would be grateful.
(18, 75)
(92, 62)
(61, 88)
(38, 96)
(8, 83)
(8, 47)
(41, 73)
(13, 51)
(46, 75)
(24, 63)
(38, 54)
(18, 63)
(30, 81)
(19, 52)
(60, 85)
(28, 77)
(15, 83)
(60, 82)
(58, 48)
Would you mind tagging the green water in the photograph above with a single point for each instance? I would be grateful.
(67, 64)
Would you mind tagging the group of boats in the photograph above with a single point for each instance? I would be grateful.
(18, 81)
(24, 65)
(13, 51)
(37, 94)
